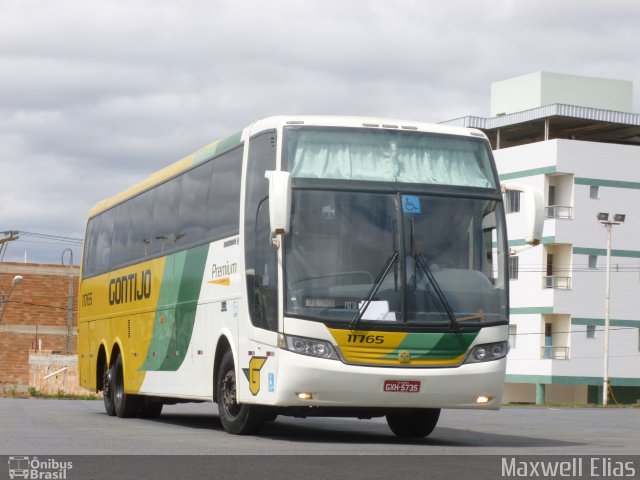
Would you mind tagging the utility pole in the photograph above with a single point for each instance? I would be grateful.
(9, 236)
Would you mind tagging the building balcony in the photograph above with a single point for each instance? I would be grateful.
(554, 353)
(559, 211)
(557, 282)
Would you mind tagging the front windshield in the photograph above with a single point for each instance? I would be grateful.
(439, 254)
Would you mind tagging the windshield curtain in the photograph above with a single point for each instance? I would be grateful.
(388, 156)
(341, 242)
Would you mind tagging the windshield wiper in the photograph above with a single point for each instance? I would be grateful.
(374, 289)
(453, 322)
(418, 262)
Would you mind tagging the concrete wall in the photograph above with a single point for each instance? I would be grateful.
(53, 374)
(546, 88)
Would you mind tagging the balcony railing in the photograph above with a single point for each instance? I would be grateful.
(555, 281)
(559, 211)
(554, 353)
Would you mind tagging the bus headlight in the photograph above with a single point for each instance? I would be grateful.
(488, 352)
(307, 346)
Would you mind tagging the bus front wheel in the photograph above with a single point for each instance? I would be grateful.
(415, 424)
(125, 405)
(236, 418)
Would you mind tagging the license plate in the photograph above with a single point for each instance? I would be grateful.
(402, 386)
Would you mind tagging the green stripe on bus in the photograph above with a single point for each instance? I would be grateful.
(217, 148)
(185, 312)
(173, 325)
(434, 345)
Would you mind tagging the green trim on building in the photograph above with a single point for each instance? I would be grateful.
(565, 380)
(519, 242)
(602, 252)
(599, 322)
(528, 173)
(530, 310)
(596, 182)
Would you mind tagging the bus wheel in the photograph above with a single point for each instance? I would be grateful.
(107, 390)
(238, 419)
(151, 408)
(126, 405)
(416, 424)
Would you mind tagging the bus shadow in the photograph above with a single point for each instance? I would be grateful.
(354, 432)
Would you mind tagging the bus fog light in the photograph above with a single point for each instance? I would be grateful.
(488, 352)
(305, 395)
(307, 346)
(484, 399)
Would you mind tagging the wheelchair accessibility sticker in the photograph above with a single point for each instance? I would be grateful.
(411, 204)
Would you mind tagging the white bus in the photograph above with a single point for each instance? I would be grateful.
(306, 266)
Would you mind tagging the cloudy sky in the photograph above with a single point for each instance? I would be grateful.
(95, 95)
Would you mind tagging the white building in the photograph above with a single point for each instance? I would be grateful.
(583, 151)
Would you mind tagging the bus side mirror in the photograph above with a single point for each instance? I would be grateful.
(533, 211)
(279, 201)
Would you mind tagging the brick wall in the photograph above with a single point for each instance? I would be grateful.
(35, 316)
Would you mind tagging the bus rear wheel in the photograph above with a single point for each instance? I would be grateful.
(107, 390)
(415, 424)
(125, 405)
(236, 418)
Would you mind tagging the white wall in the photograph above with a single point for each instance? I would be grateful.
(590, 162)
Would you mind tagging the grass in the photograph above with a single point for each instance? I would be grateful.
(33, 393)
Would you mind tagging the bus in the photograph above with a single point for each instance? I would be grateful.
(305, 266)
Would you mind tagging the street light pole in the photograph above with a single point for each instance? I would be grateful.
(17, 280)
(607, 302)
(618, 218)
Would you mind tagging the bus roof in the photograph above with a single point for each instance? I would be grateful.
(276, 122)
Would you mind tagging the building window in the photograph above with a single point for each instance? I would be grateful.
(591, 331)
(594, 191)
(513, 333)
(512, 201)
(513, 268)
(593, 262)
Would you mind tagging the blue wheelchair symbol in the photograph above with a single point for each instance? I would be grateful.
(411, 204)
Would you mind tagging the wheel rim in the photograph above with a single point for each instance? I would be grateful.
(118, 393)
(229, 403)
(106, 382)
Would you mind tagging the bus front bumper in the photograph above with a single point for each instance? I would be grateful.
(314, 382)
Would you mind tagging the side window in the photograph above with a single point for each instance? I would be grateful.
(139, 238)
(264, 308)
(120, 234)
(260, 258)
(165, 212)
(512, 201)
(513, 267)
(223, 207)
(102, 253)
(192, 208)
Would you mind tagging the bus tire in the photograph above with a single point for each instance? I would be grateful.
(150, 407)
(237, 419)
(107, 390)
(126, 405)
(416, 424)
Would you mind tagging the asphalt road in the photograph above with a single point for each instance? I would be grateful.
(78, 427)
